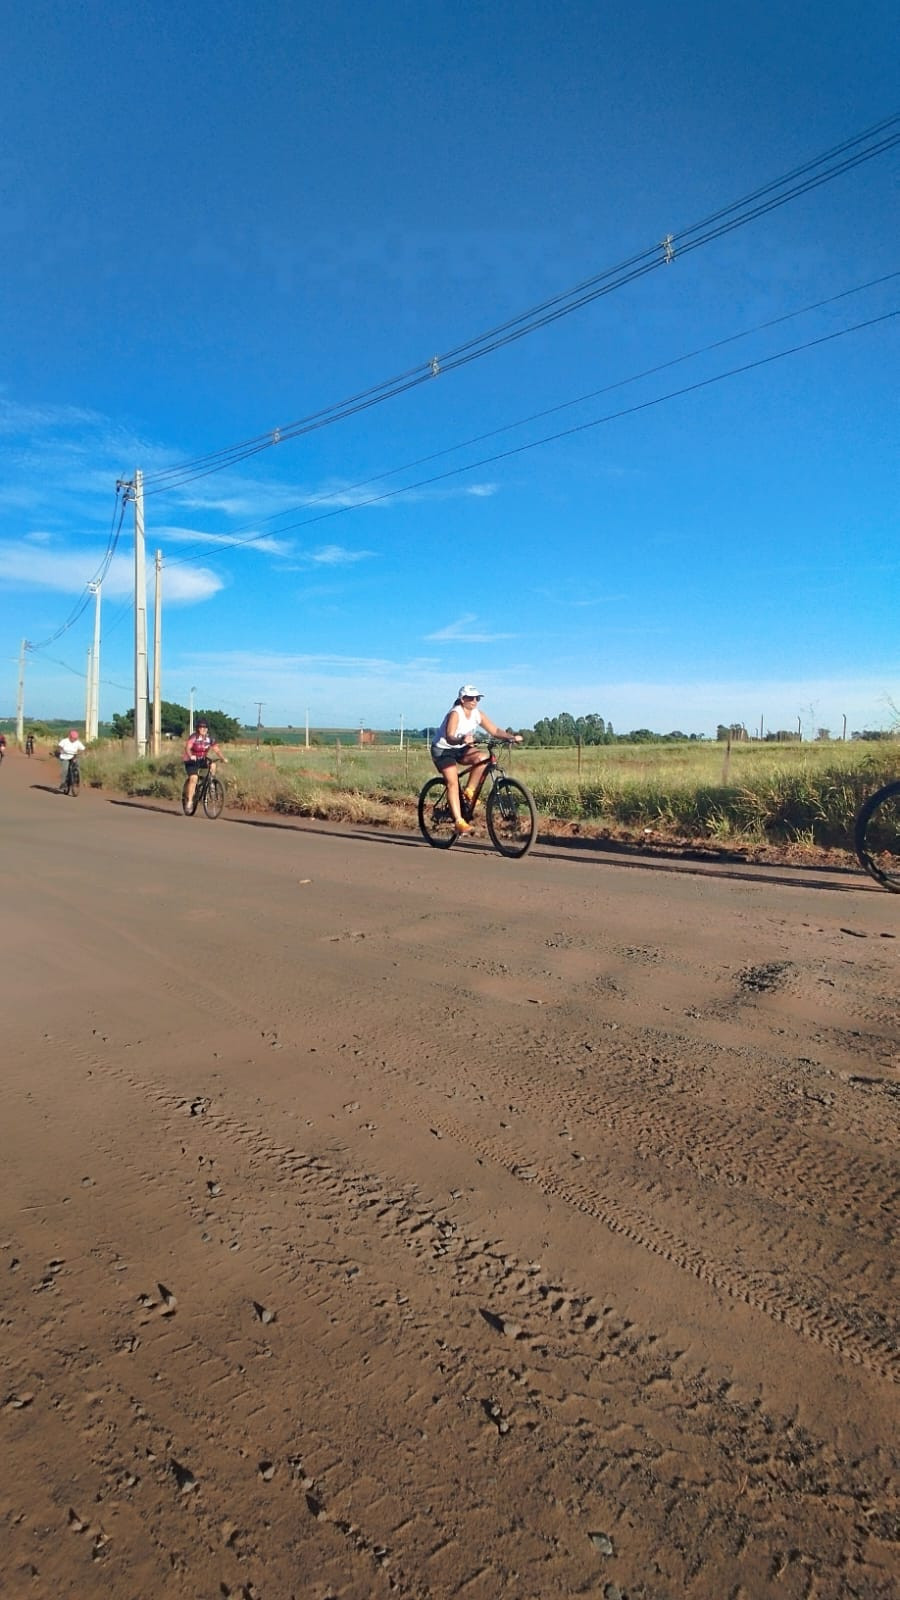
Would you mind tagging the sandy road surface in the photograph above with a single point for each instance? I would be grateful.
(379, 1221)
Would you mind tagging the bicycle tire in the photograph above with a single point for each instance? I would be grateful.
(74, 781)
(877, 836)
(214, 798)
(435, 817)
(511, 817)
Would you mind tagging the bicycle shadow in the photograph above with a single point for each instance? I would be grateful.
(610, 853)
(50, 788)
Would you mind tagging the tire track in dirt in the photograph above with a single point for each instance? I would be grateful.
(832, 1328)
(873, 1348)
(183, 1441)
(787, 1167)
(545, 1321)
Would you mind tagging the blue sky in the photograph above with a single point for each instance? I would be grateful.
(216, 221)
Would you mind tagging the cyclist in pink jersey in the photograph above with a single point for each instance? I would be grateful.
(199, 752)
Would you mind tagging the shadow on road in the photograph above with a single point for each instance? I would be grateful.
(50, 788)
(573, 852)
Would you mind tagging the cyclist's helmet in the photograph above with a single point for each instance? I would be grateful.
(203, 724)
(73, 733)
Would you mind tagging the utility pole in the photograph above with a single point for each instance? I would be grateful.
(20, 697)
(157, 666)
(401, 730)
(259, 706)
(844, 734)
(92, 719)
(136, 490)
(88, 691)
(191, 713)
(307, 727)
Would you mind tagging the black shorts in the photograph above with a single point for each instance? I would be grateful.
(448, 758)
(191, 767)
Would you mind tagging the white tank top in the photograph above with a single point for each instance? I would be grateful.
(467, 722)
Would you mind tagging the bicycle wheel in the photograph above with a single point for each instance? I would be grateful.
(511, 817)
(214, 798)
(435, 816)
(877, 836)
(74, 779)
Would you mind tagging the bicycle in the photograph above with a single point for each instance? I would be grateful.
(510, 811)
(72, 781)
(209, 792)
(876, 836)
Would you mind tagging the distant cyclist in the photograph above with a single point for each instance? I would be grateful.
(2, 745)
(29, 745)
(68, 749)
(200, 751)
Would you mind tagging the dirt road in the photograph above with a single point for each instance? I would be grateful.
(379, 1221)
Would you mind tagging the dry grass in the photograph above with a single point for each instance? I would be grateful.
(756, 795)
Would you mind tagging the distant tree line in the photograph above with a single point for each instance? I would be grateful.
(564, 729)
(175, 721)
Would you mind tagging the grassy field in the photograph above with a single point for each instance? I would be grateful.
(755, 794)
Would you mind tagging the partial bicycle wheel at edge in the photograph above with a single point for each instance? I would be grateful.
(877, 836)
(511, 817)
(214, 798)
(435, 816)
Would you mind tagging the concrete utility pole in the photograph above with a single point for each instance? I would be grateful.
(259, 706)
(140, 619)
(92, 716)
(20, 697)
(307, 727)
(88, 691)
(191, 712)
(844, 733)
(157, 665)
(401, 730)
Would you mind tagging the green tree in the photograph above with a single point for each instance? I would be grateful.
(175, 719)
(224, 729)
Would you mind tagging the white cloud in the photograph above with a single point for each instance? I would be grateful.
(22, 566)
(263, 542)
(462, 630)
(334, 555)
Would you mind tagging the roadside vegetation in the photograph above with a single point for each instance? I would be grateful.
(746, 797)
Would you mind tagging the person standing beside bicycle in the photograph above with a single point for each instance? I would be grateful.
(68, 749)
(453, 746)
(200, 751)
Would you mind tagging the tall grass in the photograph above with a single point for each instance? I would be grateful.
(757, 794)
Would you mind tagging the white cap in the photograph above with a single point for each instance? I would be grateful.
(469, 689)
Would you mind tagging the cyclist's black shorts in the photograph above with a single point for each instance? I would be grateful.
(191, 767)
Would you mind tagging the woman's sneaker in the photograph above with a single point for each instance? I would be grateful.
(464, 827)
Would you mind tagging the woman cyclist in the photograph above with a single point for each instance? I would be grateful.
(197, 756)
(453, 746)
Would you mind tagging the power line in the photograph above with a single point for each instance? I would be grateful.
(565, 433)
(84, 599)
(235, 541)
(812, 174)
